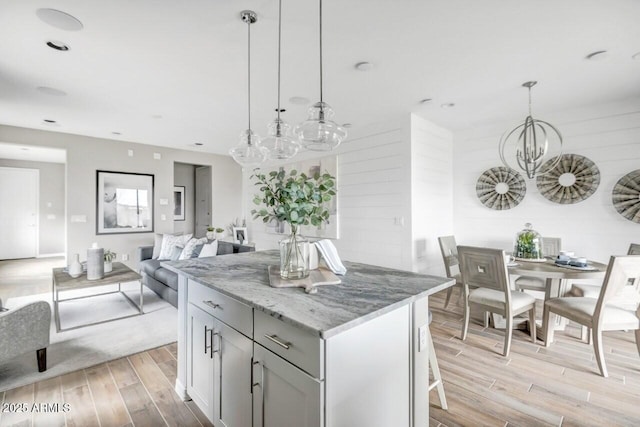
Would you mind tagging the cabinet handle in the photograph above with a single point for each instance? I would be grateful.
(207, 347)
(260, 384)
(212, 304)
(213, 334)
(275, 339)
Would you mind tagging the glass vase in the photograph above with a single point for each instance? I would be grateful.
(528, 244)
(294, 257)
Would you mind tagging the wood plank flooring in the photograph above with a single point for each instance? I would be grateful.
(534, 386)
(132, 391)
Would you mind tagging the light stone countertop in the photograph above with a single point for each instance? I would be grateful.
(365, 293)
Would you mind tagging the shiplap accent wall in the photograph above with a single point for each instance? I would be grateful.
(609, 136)
(431, 193)
(374, 197)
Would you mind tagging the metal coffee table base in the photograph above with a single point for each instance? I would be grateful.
(57, 300)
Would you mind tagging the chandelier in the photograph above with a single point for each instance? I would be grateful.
(530, 141)
(249, 152)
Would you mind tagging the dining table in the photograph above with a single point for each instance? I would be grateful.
(558, 279)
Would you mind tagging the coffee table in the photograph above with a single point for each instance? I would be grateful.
(119, 275)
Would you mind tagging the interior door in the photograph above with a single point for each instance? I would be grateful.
(203, 200)
(19, 213)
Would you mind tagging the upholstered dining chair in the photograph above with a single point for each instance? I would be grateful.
(24, 329)
(599, 314)
(486, 269)
(449, 252)
(551, 247)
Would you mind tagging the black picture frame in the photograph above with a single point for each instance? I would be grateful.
(124, 202)
(179, 201)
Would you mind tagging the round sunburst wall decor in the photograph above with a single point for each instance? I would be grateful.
(626, 196)
(500, 188)
(574, 179)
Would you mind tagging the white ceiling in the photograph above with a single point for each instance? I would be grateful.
(173, 73)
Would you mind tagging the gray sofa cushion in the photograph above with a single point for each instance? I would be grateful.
(149, 266)
(167, 277)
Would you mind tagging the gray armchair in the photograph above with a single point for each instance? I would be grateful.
(24, 329)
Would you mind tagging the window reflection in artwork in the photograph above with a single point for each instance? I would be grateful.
(126, 205)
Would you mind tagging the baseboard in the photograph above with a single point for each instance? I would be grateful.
(50, 255)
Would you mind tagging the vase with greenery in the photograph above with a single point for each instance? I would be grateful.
(297, 199)
(528, 244)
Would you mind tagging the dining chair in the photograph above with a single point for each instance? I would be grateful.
(599, 314)
(593, 291)
(486, 269)
(551, 247)
(435, 369)
(449, 252)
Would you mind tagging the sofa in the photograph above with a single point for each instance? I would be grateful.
(164, 282)
(25, 329)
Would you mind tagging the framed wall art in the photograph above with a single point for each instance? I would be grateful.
(178, 203)
(124, 202)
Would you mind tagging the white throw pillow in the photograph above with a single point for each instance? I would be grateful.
(169, 241)
(210, 249)
(187, 252)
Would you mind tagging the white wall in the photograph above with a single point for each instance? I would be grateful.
(431, 193)
(374, 197)
(609, 135)
(85, 155)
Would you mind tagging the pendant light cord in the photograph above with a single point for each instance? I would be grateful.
(279, 48)
(249, 73)
(320, 50)
(530, 100)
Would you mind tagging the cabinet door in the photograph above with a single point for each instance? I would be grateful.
(200, 359)
(283, 395)
(232, 377)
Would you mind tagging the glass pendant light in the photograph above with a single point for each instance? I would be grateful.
(249, 152)
(279, 144)
(319, 132)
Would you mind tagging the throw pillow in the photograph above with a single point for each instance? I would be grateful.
(187, 252)
(196, 251)
(169, 241)
(177, 252)
(210, 249)
(157, 245)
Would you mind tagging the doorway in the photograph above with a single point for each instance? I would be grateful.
(19, 193)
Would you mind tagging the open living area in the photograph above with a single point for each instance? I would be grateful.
(319, 213)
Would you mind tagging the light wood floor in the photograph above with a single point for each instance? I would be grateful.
(132, 391)
(534, 386)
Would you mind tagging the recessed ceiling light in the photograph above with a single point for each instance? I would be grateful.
(53, 44)
(49, 122)
(51, 91)
(347, 125)
(425, 100)
(598, 55)
(24, 149)
(299, 100)
(636, 56)
(364, 66)
(448, 105)
(199, 144)
(157, 116)
(116, 133)
(59, 19)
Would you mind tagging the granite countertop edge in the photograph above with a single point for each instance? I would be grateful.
(323, 333)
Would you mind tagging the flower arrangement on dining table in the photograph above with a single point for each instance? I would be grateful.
(297, 199)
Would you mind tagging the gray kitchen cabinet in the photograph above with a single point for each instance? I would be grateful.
(283, 395)
(200, 365)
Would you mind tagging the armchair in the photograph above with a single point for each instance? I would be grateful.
(24, 329)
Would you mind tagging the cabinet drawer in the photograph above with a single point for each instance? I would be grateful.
(232, 312)
(301, 348)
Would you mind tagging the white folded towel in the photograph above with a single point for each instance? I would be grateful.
(330, 255)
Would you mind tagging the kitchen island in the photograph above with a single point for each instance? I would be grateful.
(349, 355)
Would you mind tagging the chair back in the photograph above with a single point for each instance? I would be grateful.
(551, 246)
(484, 268)
(634, 249)
(449, 252)
(622, 272)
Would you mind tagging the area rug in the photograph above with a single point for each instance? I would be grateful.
(87, 346)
